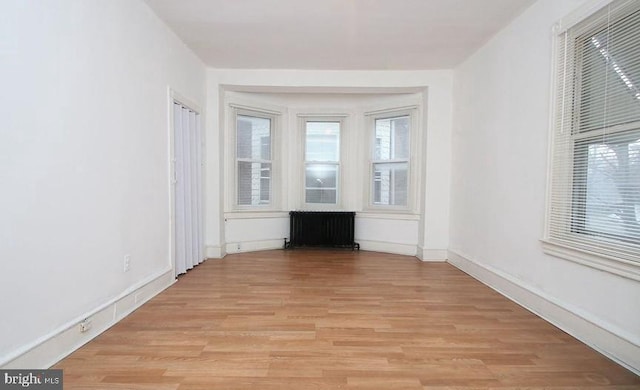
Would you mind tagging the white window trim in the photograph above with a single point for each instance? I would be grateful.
(415, 142)
(234, 109)
(319, 117)
(612, 263)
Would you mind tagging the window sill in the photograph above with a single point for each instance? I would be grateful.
(253, 214)
(388, 215)
(620, 267)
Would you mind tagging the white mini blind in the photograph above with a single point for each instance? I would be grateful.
(595, 186)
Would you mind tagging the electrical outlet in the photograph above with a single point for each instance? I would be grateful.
(127, 263)
(85, 325)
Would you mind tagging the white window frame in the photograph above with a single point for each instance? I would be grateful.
(303, 119)
(231, 173)
(414, 142)
(593, 251)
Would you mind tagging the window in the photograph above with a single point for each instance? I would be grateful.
(595, 183)
(322, 162)
(390, 160)
(253, 160)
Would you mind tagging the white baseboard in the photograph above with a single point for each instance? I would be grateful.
(388, 247)
(253, 246)
(53, 347)
(376, 246)
(605, 338)
(432, 255)
(215, 252)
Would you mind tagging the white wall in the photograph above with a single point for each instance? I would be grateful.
(426, 234)
(500, 139)
(84, 158)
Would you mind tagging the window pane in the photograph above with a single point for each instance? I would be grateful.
(254, 183)
(253, 138)
(325, 196)
(321, 183)
(265, 182)
(610, 75)
(321, 176)
(392, 138)
(322, 141)
(377, 187)
(390, 184)
(613, 189)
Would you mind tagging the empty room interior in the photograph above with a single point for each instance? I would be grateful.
(341, 194)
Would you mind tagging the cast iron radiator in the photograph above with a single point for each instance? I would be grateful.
(322, 228)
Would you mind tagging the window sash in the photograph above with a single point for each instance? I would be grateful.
(253, 192)
(396, 196)
(584, 150)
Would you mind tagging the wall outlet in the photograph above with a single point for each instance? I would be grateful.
(127, 263)
(85, 325)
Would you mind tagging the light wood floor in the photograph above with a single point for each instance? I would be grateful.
(335, 320)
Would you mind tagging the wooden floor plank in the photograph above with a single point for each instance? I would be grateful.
(311, 319)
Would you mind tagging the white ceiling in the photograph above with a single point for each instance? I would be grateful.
(336, 34)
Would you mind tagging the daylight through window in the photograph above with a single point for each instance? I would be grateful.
(253, 160)
(322, 162)
(390, 162)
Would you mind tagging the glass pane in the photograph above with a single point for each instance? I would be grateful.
(254, 183)
(321, 183)
(253, 138)
(323, 141)
(610, 75)
(390, 184)
(613, 189)
(265, 183)
(325, 196)
(392, 138)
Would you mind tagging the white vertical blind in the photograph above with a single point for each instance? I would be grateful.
(200, 213)
(188, 176)
(179, 197)
(189, 250)
(195, 217)
(595, 190)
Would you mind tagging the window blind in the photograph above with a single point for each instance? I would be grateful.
(595, 185)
